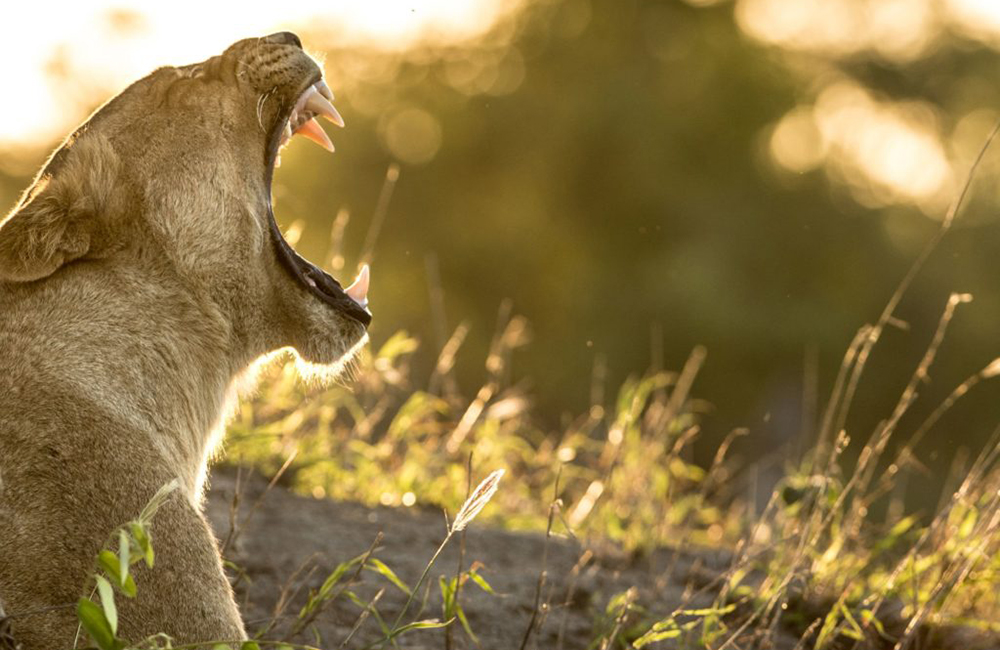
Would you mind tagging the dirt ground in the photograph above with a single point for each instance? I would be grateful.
(290, 535)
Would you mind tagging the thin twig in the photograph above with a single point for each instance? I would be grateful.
(363, 617)
(449, 631)
(236, 530)
(381, 210)
(543, 574)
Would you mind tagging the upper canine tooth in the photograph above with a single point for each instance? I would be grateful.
(318, 104)
(323, 89)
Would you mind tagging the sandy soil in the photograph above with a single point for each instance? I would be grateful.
(290, 534)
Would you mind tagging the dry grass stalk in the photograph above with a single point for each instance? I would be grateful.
(362, 617)
(449, 631)
(236, 529)
(554, 507)
(381, 210)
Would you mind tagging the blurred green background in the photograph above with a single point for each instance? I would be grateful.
(638, 177)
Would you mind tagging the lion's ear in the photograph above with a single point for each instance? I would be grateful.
(64, 216)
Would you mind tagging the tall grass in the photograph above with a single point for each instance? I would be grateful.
(625, 472)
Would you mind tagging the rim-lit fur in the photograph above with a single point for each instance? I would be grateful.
(138, 282)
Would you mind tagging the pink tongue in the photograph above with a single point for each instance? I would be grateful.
(358, 291)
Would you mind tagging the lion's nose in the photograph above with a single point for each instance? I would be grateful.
(284, 38)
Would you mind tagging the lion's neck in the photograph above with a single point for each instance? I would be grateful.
(159, 360)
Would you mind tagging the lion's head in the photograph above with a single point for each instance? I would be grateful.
(170, 181)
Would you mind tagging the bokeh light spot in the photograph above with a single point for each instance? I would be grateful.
(796, 142)
(411, 135)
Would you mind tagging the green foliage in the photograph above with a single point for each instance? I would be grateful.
(334, 586)
(378, 566)
(627, 474)
(135, 545)
(451, 607)
(95, 622)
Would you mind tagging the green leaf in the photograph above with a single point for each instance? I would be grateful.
(652, 637)
(398, 344)
(249, 645)
(124, 554)
(108, 561)
(94, 622)
(665, 629)
(968, 523)
(129, 587)
(868, 616)
(318, 598)
(465, 624)
(428, 624)
(709, 611)
(448, 590)
(378, 566)
(221, 646)
(902, 526)
(141, 537)
(855, 631)
(335, 576)
(481, 581)
(353, 597)
(108, 603)
(826, 633)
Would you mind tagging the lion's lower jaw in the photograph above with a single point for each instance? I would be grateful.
(323, 364)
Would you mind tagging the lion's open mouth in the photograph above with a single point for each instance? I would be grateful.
(300, 119)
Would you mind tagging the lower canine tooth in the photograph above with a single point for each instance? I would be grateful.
(312, 130)
(358, 291)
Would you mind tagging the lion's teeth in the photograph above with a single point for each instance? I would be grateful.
(312, 130)
(323, 89)
(313, 101)
(358, 291)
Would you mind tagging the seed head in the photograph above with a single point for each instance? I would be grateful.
(479, 498)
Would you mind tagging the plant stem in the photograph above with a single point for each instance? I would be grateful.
(416, 588)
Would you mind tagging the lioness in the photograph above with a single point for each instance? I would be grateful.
(140, 276)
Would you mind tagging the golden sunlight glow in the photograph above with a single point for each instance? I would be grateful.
(884, 151)
(977, 18)
(80, 53)
(896, 29)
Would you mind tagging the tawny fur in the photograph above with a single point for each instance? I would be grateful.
(138, 282)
